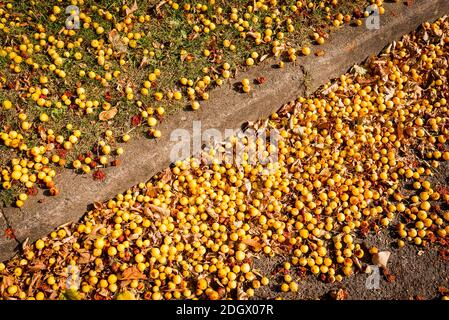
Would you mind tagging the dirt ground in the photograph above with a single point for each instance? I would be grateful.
(418, 272)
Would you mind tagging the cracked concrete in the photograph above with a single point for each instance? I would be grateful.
(227, 109)
(7, 244)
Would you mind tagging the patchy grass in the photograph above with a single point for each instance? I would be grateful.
(127, 64)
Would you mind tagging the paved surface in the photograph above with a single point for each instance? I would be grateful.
(417, 273)
(227, 109)
(7, 243)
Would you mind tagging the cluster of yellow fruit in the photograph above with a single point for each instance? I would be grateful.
(246, 85)
(345, 157)
(36, 166)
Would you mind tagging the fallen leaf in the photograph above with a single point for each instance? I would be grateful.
(108, 115)
(158, 7)
(357, 263)
(388, 275)
(443, 290)
(84, 258)
(253, 243)
(99, 175)
(358, 70)
(320, 53)
(166, 177)
(6, 282)
(34, 280)
(98, 205)
(132, 273)
(339, 294)
(157, 45)
(32, 191)
(163, 211)
(241, 294)
(331, 88)
(381, 259)
(261, 80)
(133, 8)
(253, 34)
(151, 191)
(42, 132)
(37, 267)
(114, 39)
(9, 233)
(144, 62)
(212, 213)
(248, 187)
(400, 131)
(263, 57)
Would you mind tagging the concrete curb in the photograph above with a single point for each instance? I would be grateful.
(226, 109)
(7, 243)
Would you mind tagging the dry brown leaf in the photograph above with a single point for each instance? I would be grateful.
(113, 36)
(253, 243)
(42, 132)
(7, 281)
(98, 205)
(34, 282)
(443, 290)
(144, 62)
(104, 292)
(151, 191)
(253, 35)
(158, 7)
(157, 45)
(339, 294)
(108, 115)
(26, 245)
(320, 53)
(264, 57)
(166, 177)
(400, 132)
(94, 231)
(241, 294)
(212, 213)
(53, 295)
(114, 39)
(132, 273)
(37, 267)
(84, 257)
(163, 211)
(132, 9)
(381, 259)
